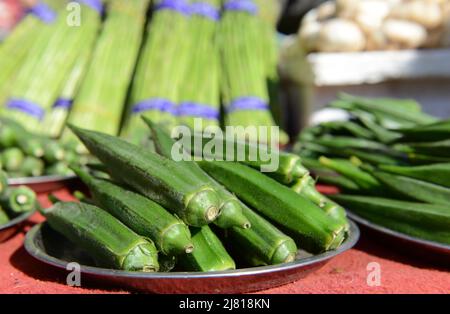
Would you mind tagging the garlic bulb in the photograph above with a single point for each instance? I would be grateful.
(338, 35)
(406, 34)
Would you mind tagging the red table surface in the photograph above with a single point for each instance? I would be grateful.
(347, 273)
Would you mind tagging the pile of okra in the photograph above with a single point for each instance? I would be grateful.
(146, 212)
(391, 162)
(14, 201)
(24, 154)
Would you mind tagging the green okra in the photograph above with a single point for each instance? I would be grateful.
(18, 200)
(31, 146)
(403, 110)
(59, 169)
(209, 254)
(436, 173)
(341, 182)
(7, 135)
(382, 134)
(345, 168)
(258, 156)
(307, 188)
(345, 142)
(230, 212)
(3, 182)
(304, 221)
(103, 237)
(32, 167)
(347, 128)
(4, 219)
(53, 152)
(427, 221)
(437, 149)
(12, 159)
(414, 189)
(143, 216)
(433, 132)
(262, 244)
(154, 176)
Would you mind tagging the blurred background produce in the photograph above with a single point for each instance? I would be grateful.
(390, 161)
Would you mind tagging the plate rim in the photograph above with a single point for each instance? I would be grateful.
(40, 179)
(397, 234)
(97, 271)
(18, 220)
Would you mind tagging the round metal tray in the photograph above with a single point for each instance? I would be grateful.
(10, 228)
(429, 246)
(43, 184)
(51, 248)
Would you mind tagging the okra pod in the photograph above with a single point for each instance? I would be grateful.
(344, 142)
(32, 167)
(437, 173)
(103, 237)
(209, 254)
(341, 182)
(154, 176)
(352, 172)
(143, 216)
(230, 213)
(347, 128)
(31, 146)
(437, 149)
(53, 152)
(430, 222)
(262, 244)
(309, 226)
(18, 200)
(307, 188)
(434, 132)
(3, 182)
(414, 189)
(254, 155)
(4, 219)
(59, 169)
(12, 159)
(7, 135)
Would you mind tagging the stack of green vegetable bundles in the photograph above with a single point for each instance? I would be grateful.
(390, 159)
(102, 64)
(149, 212)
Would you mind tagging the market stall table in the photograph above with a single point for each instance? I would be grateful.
(351, 272)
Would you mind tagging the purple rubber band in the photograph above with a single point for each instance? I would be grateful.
(242, 5)
(97, 5)
(43, 12)
(206, 10)
(63, 103)
(197, 110)
(27, 107)
(160, 104)
(180, 6)
(247, 103)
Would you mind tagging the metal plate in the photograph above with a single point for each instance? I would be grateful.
(51, 248)
(43, 184)
(13, 226)
(430, 246)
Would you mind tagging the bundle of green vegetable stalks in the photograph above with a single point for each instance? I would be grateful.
(17, 45)
(14, 201)
(100, 102)
(391, 161)
(164, 60)
(245, 67)
(41, 77)
(151, 213)
(200, 88)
